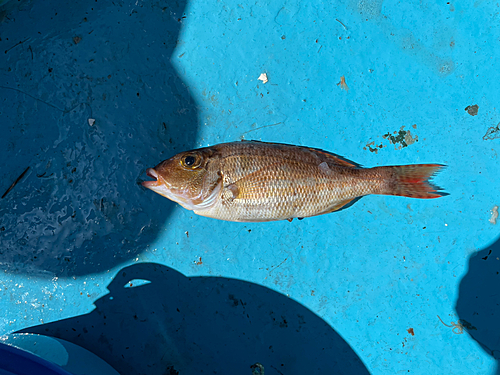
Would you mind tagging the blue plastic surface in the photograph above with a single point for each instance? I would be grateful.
(14, 361)
(69, 357)
(93, 94)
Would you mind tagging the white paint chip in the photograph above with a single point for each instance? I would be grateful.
(263, 78)
(91, 121)
(494, 215)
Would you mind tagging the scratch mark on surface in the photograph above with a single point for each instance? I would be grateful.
(340, 23)
(64, 111)
(277, 14)
(17, 44)
(15, 183)
(262, 127)
(278, 266)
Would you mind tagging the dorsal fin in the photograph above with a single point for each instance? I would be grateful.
(335, 159)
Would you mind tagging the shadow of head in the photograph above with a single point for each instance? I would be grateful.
(478, 304)
(194, 325)
(92, 103)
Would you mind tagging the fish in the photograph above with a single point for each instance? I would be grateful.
(252, 181)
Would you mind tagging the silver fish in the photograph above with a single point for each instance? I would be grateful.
(253, 181)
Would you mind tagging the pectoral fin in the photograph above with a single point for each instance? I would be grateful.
(235, 191)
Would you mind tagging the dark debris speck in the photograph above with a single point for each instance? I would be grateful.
(472, 109)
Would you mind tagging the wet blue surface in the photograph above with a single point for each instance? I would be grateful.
(78, 233)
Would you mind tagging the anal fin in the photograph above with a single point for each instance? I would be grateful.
(339, 205)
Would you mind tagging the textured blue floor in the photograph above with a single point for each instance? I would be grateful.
(90, 256)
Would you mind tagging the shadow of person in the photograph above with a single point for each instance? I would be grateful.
(157, 321)
(90, 101)
(478, 304)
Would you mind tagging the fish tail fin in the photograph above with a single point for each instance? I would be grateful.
(411, 181)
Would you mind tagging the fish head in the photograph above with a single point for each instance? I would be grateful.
(191, 178)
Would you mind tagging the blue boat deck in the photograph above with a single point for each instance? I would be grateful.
(94, 93)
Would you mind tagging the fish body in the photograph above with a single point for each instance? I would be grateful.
(251, 181)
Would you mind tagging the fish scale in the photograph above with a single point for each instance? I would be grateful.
(252, 181)
(280, 195)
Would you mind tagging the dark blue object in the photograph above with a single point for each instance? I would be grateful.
(14, 361)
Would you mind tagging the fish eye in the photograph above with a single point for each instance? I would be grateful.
(191, 161)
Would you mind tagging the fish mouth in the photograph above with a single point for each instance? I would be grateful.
(153, 174)
(158, 185)
(180, 195)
